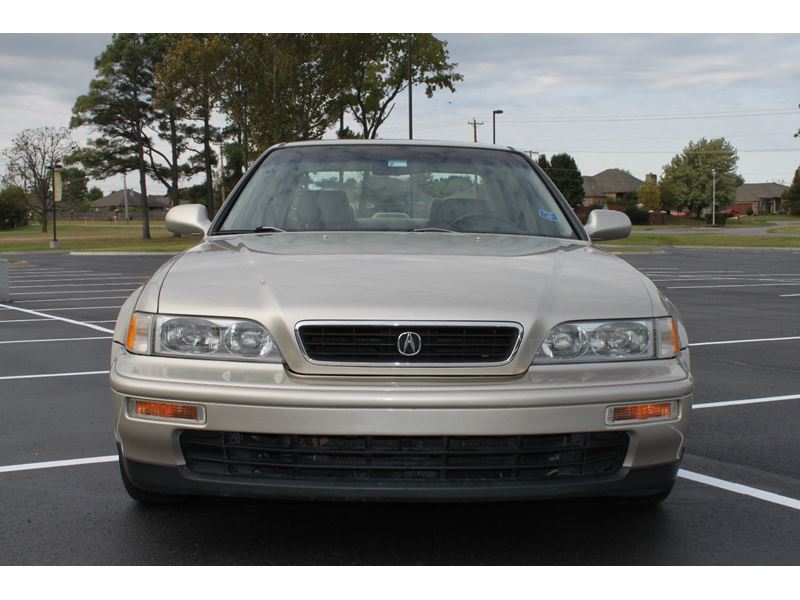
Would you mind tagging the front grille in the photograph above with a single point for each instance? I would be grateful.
(439, 344)
(393, 458)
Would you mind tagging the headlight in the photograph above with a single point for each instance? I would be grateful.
(201, 337)
(603, 341)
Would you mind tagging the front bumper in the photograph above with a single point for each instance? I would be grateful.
(240, 397)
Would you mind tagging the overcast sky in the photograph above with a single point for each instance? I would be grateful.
(610, 100)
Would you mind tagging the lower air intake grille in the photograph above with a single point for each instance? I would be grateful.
(392, 458)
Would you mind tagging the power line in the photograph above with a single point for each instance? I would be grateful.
(617, 119)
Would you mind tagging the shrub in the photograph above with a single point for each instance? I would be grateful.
(13, 208)
(637, 215)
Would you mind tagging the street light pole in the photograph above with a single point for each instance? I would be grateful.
(494, 114)
(54, 167)
(714, 198)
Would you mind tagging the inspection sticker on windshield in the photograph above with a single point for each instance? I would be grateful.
(402, 164)
(548, 215)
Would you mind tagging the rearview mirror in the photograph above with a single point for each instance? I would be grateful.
(188, 219)
(608, 225)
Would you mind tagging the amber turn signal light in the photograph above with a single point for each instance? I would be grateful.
(641, 412)
(166, 410)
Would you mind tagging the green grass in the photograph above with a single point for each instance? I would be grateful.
(751, 221)
(785, 229)
(98, 237)
(719, 240)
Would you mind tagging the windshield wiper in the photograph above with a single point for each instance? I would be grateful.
(259, 229)
(431, 230)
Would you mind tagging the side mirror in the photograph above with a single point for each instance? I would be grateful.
(608, 225)
(188, 219)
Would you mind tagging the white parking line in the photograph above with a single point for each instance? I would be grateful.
(745, 401)
(61, 276)
(23, 320)
(60, 279)
(23, 271)
(72, 299)
(59, 463)
(25, 287)
(752, 341)
(788, 295)
(79, 339)
(83, 307)
(55, 317)
(49, 375)
(738, 488)
(17, 294)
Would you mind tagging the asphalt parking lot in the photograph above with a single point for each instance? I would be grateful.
(737, 500)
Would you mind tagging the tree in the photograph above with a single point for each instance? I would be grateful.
(94, 193)
(28, 157)
(374, 67)
(189, 77)
(564, 172)
(650, 195)
(282, 87)
(13, 207)
(119, 105)
(690, 174)
(792, 196)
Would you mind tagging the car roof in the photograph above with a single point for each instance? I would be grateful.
(397, 142)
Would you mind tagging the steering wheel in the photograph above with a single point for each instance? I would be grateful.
(483, 216)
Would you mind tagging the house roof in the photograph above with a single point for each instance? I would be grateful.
(117, 199)
(611, 181)
(753, 192)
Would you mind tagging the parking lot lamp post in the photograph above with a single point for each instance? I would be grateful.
(494, 114)
(54, 168)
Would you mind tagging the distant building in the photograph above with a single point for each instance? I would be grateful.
(117, 200)
(610, 186)
(763, 198)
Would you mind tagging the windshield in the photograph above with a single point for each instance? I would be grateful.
(364, 187)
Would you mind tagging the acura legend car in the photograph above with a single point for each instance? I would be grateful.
(381, 320)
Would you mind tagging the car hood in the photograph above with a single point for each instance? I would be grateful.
(282, 279)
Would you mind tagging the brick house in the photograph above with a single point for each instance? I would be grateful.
(763, 198)
(117, 200)
(610, 186)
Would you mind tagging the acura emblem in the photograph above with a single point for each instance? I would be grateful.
(409, 343)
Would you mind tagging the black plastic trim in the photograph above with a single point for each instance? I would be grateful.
(179, 480)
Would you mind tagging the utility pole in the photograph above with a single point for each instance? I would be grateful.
(125, 194)
(531, 153)
(221, 173)
(474, 124)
